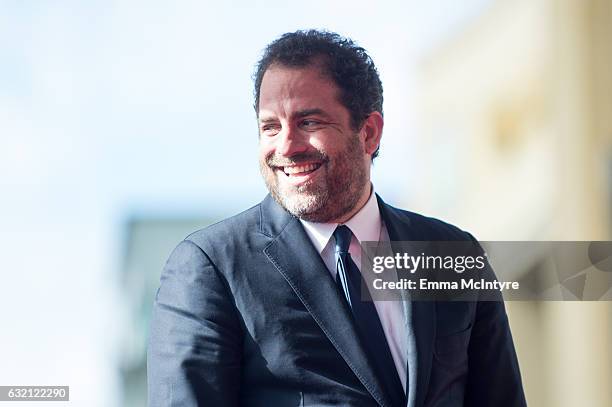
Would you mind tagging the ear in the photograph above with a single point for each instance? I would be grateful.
(372, 130)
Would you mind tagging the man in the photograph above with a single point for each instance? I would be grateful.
(261, 309)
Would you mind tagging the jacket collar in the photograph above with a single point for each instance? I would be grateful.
(422, 313)
(312, 283)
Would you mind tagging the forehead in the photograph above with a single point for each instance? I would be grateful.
(285, 90)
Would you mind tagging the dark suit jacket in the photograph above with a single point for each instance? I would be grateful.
(248, 315)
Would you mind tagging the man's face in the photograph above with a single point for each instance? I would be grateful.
(312, 161)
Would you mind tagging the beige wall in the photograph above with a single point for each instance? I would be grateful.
(516, 121)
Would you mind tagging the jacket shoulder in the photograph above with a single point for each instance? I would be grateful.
(232, 229)
(429, 228)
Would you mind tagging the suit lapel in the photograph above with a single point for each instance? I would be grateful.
(421, 314)
(294, 256)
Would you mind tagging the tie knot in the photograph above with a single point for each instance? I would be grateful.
(343, 235)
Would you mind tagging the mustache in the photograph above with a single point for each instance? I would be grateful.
(277, 161)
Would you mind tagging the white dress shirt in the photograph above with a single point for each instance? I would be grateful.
(366, 225)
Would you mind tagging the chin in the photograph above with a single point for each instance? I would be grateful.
(303, 207)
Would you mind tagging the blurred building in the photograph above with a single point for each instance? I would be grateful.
(515, 143)
(148, 243)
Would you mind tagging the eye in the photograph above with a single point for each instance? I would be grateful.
(310, 123)
(269, 129)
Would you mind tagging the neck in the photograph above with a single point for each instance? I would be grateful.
(365, 196)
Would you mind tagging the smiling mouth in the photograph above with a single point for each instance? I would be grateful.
(300, 170)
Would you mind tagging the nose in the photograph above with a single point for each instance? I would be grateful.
(290, 141)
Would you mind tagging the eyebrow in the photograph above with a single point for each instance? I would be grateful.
(309, 112)
(297, 115)
(267, 120)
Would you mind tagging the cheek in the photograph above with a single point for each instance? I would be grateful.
(329, 143)
(265, 149)
(340, 145)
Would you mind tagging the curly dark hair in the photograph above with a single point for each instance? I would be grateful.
(346, 63)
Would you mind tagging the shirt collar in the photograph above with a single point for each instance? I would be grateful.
(365, 225)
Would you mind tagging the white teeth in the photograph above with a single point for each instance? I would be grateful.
(300, 168)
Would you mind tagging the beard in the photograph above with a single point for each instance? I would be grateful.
(331, 194)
